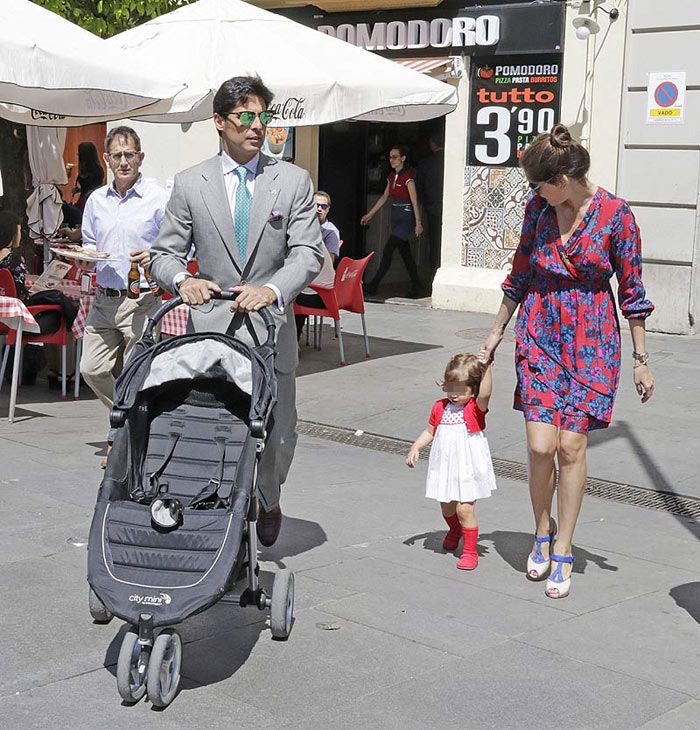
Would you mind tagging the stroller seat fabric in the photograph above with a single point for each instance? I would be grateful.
(200, 452)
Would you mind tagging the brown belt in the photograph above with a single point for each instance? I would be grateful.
(109, 292)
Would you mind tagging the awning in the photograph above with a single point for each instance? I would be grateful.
(439, 68)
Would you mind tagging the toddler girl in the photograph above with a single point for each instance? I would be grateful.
(460, 469)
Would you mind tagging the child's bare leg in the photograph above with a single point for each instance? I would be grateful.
(466, 514)
(448, 508)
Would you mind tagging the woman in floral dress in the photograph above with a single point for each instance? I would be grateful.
(575, 236)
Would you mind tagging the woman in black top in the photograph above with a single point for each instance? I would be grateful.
(90, 173)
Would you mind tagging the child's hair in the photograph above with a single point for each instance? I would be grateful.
(464, 368)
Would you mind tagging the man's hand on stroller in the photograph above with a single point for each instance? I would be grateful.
(251, 298)
(196, 291)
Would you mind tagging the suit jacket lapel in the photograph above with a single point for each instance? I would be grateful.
(217, 203)
(264, 199)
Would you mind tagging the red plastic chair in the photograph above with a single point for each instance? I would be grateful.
(7, 283)
(345, 295)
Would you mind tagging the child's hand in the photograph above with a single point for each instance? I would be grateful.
(485, 358)
(413, 456)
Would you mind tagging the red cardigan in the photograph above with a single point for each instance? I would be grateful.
(474, 417)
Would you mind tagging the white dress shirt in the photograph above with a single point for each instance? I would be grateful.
(117, 224)
(231, 182)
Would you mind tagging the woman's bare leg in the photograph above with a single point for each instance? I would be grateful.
(541, 448)
(571, 455)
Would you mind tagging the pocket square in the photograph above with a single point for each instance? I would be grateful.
(276, 215)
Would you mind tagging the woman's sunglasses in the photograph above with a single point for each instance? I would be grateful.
(323, 206)
(536, 187)
(247, 118)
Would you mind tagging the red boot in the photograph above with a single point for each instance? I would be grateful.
(470, 558)
(454, 535)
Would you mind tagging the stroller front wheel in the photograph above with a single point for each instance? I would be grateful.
(282, 606)
(131, 668)
(163, 678)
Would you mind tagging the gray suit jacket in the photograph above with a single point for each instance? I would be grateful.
(284, 236)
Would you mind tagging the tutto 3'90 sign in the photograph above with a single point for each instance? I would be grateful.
(511, 103)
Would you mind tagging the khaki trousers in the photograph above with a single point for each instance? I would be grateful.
(114, 326)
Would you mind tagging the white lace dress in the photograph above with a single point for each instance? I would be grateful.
(459, 467)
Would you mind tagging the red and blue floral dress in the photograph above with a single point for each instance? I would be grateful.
(567, 353)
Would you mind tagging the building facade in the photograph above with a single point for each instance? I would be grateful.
(515, 78)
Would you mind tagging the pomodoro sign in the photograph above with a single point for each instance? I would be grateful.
(510, 105)
(399, 35)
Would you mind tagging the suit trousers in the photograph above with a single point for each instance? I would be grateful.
(114, 326)
(280, 444)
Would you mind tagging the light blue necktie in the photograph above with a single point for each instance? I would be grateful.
(241, 212)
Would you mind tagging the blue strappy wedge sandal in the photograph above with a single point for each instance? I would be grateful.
(537, 564)
(557, 586)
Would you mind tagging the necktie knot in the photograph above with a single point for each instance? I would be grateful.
(242, 172)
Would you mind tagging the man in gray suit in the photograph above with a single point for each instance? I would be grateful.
(246, 213)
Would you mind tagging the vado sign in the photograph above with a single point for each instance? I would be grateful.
(398, 35)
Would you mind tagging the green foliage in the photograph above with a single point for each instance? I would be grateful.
(106, 18)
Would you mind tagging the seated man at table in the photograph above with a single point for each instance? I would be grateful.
(121, 219)
(326, 277)
(330, 234)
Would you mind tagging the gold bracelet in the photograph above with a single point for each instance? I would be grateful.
(640, 358)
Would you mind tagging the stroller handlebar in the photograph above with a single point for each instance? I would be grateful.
(176, 301)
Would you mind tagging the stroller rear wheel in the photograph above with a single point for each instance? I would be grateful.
(282, 606)
(163, 677)
(98, 610)
(131, 668)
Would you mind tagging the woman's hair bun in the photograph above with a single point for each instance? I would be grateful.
(560, 136)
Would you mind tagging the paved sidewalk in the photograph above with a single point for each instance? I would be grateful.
(388, 633)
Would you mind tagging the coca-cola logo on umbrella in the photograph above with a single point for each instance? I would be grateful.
(291, 108)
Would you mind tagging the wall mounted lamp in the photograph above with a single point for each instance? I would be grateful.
(587, 25)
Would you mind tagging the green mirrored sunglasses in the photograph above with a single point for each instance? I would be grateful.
(247, 118)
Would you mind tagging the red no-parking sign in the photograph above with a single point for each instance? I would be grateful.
(666, 98)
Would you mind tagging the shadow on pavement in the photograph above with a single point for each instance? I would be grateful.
(433, 541)
(328, 358)
(622, 430)
(513, 547)
(297, 536)
(687, 597)
(218, 641)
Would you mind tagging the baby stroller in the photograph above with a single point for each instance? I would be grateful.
(174, 528)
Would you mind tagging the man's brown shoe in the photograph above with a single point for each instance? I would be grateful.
(268, 526)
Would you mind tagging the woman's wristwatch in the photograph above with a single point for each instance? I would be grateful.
(640, 358)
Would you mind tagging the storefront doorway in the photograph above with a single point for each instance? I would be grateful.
(353, 168)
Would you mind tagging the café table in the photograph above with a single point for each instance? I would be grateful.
(173, 324)
(15, 316)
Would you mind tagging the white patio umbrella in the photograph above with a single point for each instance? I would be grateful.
(44, 205)
(316, 79)
(54, 73)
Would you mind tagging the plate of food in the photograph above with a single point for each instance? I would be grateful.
(81, 254)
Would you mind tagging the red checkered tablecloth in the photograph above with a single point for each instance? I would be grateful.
(173, 324)
(13, 310)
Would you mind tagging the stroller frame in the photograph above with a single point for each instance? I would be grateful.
(151, 652)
